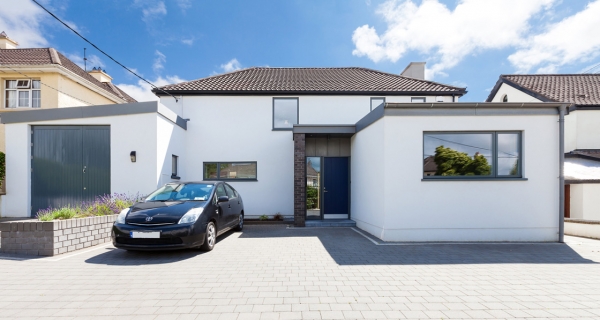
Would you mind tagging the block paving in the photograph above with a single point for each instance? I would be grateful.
(272, 272)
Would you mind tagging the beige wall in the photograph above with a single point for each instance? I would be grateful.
(51, 98)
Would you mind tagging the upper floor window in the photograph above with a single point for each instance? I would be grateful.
(285, 113)
(174, 167)
(505, 98)
(417, 99)
(376, 102)
(23, 93)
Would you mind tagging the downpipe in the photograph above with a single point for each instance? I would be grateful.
(561, 173)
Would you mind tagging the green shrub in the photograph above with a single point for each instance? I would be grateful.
(2, 166)
(263, 217)
(59, 214)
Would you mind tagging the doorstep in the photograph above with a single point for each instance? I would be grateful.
(340, 223)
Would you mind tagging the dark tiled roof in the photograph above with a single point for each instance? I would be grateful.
(580, 89)
(351, 80)
(590, 154)
(42, 56)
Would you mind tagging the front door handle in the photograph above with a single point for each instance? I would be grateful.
(84, 167)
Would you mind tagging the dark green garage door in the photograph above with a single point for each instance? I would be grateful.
(70, 165)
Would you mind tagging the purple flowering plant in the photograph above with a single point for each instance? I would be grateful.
(104, 205)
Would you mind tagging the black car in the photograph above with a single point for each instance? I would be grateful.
(180, 215)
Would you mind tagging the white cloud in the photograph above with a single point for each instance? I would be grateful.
(184, 4)
(21, 20)
(159, 62)
(151, 9)
(143, 91)
(231, 65)
(447, 36)
(189, 41)
(574, 39)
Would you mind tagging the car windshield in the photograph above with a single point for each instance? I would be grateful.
(182, 192)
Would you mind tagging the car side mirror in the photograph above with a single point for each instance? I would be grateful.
(223, 199)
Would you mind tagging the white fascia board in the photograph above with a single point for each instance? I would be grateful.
(53, 68)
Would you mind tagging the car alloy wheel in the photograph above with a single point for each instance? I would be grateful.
(211, 237)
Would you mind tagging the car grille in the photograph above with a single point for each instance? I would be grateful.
(149, 242)
(151, 224)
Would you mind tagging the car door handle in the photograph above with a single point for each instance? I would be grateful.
(229, 206)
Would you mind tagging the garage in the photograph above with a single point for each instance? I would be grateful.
(70, 165)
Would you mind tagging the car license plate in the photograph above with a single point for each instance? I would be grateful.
(144, 234)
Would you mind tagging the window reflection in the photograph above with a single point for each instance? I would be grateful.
(313, 189)
(508, 154)
(458, 154)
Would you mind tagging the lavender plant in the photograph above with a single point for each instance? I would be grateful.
(103, 205)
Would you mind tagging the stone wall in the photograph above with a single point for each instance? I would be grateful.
(582, 228)
(49, 238)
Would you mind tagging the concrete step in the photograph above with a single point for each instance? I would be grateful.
(346, 223)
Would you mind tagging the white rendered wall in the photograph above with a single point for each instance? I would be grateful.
(571, 131)
(588, 129)
(367, 174)
(513, 95)
(127, 133)
(470, 210)
(170, 140)
(585, 201)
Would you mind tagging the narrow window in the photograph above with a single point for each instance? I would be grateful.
(376, 102)
(417, 99)
(505, 98)
(230, 171)
(174, 167)
(36, 94)
(11, 94)
(472, 154)
(285, 113)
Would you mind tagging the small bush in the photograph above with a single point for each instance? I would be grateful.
(278, 217)
(263, 217)
(58, 214)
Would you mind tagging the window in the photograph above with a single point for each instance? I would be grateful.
(472, 155)
(505, 98)
(22, 94)
(221, 191)
(417, 99)
(285, 113)
(376, 102)
(174, 167)
(229, 170)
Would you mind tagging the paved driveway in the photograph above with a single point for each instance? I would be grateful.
(270, 272)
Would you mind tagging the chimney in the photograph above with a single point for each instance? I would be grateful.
(415, 70)
(100, 75)
(6, 42)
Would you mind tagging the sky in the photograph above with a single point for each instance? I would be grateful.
(466, 43)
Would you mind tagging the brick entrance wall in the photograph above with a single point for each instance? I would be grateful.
(299, 179)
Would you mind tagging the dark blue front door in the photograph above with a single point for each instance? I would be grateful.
(336, 185)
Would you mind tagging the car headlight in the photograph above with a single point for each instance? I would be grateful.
(191, 216)
(122, 215)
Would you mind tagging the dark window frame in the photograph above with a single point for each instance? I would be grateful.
(375, 98)
(218, 163)
(175, 167)
(494, 176)
(273, 113)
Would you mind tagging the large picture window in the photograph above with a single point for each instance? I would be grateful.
(22, 93)
(230, 171)
(285, 113)
(472, 155)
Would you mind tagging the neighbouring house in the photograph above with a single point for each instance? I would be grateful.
(43, 78)
(582, 130)
(362, 134)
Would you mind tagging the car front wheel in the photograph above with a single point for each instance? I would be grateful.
(210, 238)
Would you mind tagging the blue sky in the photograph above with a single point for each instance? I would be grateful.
(465, 43)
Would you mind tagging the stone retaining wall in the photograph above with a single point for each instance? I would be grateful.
(49, 238)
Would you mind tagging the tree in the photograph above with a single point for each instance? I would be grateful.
(453, 163)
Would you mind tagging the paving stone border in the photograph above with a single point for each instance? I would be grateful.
(50, 238)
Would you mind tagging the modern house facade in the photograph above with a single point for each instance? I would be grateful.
(325, 143)
(582, 142)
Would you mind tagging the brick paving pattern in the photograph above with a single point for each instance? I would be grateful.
(270, 272)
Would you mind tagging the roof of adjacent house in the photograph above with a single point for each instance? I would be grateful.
(45, 56)
(340, 81)
(579, 89)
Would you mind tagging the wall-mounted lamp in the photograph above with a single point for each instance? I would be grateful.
(132, 156)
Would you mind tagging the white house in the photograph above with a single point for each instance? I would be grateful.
(582, 130)
(365, 134)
